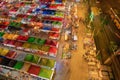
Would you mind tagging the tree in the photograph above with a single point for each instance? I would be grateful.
(113, 46)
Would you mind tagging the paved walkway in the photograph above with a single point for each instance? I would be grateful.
(76, 68)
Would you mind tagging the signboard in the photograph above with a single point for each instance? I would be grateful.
(91, 16)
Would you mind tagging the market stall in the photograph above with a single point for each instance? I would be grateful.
(28, 32)
(28, 62)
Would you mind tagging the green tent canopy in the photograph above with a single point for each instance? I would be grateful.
(19, 65)
(41, 41)
(29, 57)
(31, 39)
(1, 34)
(50, 63)
(35, 59)
(43, 61)
(34, 46)
(45, 73)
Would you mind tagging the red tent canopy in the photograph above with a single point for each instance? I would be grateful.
(48, 42)
(34, 70)
(53, 43)
(6, 41)
(18, 44)
(11, 54)
(24, 38)
(53, 18)
(55, 29)
(54, 34)
(53, 50)
(12, 42)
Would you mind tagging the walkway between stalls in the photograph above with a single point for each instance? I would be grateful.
(76, 68)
